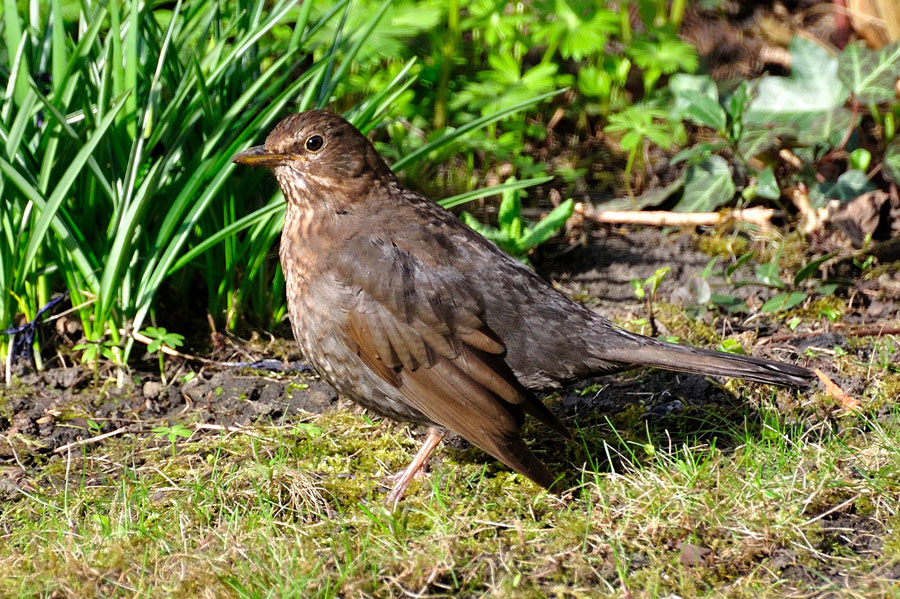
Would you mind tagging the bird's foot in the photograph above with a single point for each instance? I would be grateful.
(428, 446)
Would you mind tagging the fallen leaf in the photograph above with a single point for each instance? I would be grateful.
(846, 400)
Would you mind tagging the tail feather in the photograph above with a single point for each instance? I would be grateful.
(682, 358)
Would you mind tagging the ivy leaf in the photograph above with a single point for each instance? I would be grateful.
(870, 74)
(891, 162)
(849, 186)
(654, 197)
(703, 110)
(699, 150)
(757, 138)
(767, 185)
(708, 185)
(827, 127)
(811, 92)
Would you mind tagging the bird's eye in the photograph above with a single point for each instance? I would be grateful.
(314, 143)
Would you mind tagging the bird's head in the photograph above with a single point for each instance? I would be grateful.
(315, 151)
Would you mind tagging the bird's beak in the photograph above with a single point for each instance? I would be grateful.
(259, 156)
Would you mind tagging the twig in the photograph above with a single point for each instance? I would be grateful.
(863, 331)
(227, 429)
(138, 336)
(91, 440)
(761, 217)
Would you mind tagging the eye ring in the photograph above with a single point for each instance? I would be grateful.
(314, 143)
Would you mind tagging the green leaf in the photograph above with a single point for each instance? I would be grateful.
(738, 101)
(827, 127)
(484, 192)
(654, 197)
(732, 346)
(811, 267)
(783, 301)
(446, 138)
(756, 139)
(484, 230)
(708, 186)
(732, 268)
(15, 50)
(700, 150)
(870, 74)
(510, 208)
(729, 302)
(548, 226)
(891, 162)
(860, 159)
(849, 186)
(811, 91)
(768, 274)
(683, 83)
(767, 185)
(703, 110)
(594, 82)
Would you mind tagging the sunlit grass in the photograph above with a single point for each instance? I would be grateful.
(296, 510)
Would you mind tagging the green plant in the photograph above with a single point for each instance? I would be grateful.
(791, 291)
(641, 124)
(152, 124)
(513, 233)
(807, 110)
(646, 291)
(161, 339)
(116, 176)
(92, 351)
(172, 433)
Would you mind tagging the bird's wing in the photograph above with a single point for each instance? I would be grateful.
(421, 328)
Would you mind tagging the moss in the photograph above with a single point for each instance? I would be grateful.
(721, 242)
(678, 322)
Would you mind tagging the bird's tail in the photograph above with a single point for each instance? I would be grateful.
(671, 356)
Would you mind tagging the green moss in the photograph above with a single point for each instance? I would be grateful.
(721, 242)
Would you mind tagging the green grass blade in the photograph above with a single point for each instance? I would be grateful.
(79, 255)
(48, 211)
(273, 207)
(351, 54)
(468, 196)
(15, 46)
(470, 126)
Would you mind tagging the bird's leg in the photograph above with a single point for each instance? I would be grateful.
(431, 442)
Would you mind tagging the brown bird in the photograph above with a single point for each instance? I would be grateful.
(404, 309)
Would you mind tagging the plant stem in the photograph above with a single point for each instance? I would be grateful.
(448, 51)
(676, 13)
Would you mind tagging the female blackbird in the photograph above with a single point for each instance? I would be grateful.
(407, 311)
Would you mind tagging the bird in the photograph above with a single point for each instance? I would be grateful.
(404, 309)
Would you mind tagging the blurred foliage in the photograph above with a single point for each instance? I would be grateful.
(816, 114)
(480, 56)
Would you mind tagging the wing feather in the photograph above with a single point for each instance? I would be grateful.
(421, 329)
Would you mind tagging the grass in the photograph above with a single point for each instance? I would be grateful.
(798, 503)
